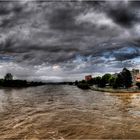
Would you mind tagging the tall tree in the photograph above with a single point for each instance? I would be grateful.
(118, 81)
(97, 80)
(112, 81)
(127, 77)
(8, 76)
(106, 78)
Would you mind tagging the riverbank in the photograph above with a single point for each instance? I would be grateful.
(111, 90)
(19, 83)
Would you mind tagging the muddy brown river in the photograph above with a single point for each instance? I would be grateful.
(66, 112)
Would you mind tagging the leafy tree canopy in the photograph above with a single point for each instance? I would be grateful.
(8, 76)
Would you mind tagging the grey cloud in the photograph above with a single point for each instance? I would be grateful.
(122, 13)
(7, 7)
(134, 4)
(63, 19)
(123, 16)
(48, 34)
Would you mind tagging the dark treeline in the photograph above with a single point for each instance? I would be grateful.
(8, 81)
(120, 80)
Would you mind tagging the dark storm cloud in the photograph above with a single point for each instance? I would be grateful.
(69, 37)
(6, 7)
(10, 13)
(35, 53)
(122, 13)
(134, 4)
(63, 19)
(123, 16)
(98, 5)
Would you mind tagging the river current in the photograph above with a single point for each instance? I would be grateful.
(66, 112)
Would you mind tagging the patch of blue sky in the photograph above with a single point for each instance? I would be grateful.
(80, 58)
(6, 58)
(127, 50)
(108, 56)
(136, 60)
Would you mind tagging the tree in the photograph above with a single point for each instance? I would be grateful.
(97, 80)
(8, 77)
(76, 82)
(91, 81)
(83, 81)
(118, 81)
(112, 81)
(123, 79)
(127, 78)
(105, 79)
(102, 83)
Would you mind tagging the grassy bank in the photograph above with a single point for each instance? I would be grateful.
(111, 90)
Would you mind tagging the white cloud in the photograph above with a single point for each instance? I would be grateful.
(95, 18)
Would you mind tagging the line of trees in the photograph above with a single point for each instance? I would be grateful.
(8, 81)
(121, 80)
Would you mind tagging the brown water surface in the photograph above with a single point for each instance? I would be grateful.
(66, 112)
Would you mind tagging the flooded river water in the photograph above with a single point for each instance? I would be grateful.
(66, 112)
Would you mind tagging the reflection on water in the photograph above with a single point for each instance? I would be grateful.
(61, 112)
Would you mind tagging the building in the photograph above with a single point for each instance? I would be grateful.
(135, 75)
(137, 78)
(88, 77)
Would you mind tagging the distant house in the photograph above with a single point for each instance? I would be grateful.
(135, 75)
(88, 77)
(137, 78)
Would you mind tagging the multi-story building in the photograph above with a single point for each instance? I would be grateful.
(137, 78)
(88, 77)
(135, 75)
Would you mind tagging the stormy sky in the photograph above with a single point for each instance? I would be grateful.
(65, 40)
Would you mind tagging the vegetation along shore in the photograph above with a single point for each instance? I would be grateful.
(123, 82)
(8, 81)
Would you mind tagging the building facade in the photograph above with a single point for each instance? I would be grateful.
(88, 77)
(135, 75)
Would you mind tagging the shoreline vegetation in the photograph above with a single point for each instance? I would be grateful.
(122, 82)
(19, 83)
(111, 90)
(9, 82)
